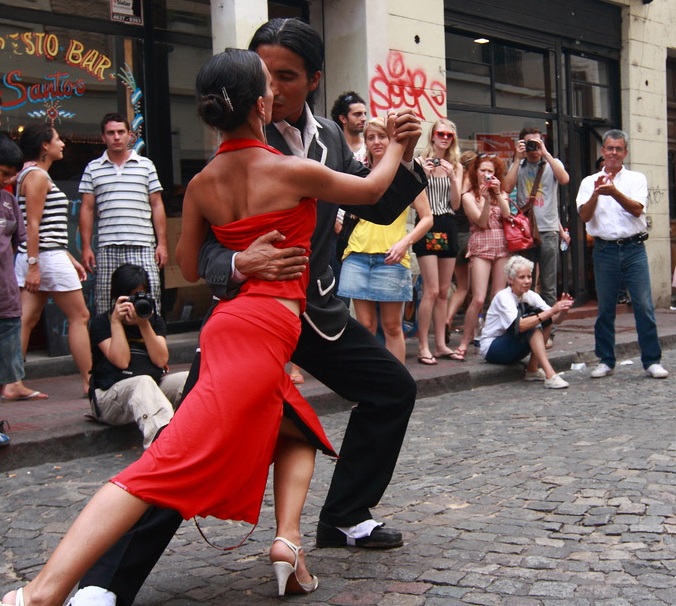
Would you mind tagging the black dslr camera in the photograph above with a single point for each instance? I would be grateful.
(532, 145)
(143, 303)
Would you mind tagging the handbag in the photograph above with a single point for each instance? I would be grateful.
(436, 241)
(518, 232)
(525, 310)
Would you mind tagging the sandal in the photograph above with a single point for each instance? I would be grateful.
(459, 354)
(427, 360)
(288, 582)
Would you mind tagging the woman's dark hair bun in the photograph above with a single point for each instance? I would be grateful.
(213, 110)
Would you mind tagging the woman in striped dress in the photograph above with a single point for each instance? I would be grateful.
(44, 267)
(436, 252)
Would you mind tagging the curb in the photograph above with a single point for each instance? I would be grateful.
(86, 438)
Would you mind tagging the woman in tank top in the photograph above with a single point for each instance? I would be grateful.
(43, 266)
(436, 252)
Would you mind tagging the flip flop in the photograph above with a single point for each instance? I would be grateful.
(458, 354)
(36, 395)
(427, 360)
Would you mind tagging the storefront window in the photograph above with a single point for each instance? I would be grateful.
(71, 77)
(492, 133)
(188, 17)
(493, 74)
(590, 82)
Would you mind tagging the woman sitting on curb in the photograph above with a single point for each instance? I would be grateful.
(518, 323)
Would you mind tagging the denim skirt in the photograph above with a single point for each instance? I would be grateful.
(366, 277)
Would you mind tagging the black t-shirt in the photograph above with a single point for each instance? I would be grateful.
(104, 373)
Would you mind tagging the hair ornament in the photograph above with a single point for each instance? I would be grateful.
(226, 98)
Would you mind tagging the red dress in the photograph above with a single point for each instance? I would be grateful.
(213, 458)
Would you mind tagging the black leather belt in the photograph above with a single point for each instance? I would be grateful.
(636, 239)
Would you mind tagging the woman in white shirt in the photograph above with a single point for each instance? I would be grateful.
(518, 323)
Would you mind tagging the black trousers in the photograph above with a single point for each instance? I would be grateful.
(357, 367)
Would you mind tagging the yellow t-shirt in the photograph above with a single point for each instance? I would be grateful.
(371, 238)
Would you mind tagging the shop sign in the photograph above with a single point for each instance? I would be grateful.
(58, 84)
(127, 11)
(500, 144)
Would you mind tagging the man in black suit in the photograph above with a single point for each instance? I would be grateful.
(333, 347)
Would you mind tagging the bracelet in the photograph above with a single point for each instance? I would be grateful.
(538, 317)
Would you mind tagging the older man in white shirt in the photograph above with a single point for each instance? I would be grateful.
(612, 204)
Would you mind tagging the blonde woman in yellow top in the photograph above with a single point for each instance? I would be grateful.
(376, 269)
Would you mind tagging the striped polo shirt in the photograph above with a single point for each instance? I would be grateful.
(122, 199)
(53, 233)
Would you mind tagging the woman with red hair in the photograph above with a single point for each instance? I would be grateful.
(485, 204)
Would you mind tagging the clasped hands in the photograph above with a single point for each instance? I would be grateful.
(604, 186)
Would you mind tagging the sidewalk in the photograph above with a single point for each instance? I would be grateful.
(57, 429)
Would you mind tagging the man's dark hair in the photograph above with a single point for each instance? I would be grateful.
(529, 130)
(126, 278)
(32, 137)
(341, 107)
(10, 154)
(113, 117)
(228, 86)
(298, 37)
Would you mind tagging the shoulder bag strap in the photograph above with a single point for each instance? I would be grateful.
(536, 185)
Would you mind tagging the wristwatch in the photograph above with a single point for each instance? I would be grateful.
(32, 260)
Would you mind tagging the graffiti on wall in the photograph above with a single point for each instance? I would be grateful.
(655, 196)
(398, 86)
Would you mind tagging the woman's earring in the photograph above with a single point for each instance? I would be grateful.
(263, 131)
(43, 157)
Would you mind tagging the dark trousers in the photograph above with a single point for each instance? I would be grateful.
(357, 367)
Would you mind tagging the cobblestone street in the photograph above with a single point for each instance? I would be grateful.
(507, 495)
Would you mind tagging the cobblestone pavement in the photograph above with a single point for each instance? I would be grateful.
(507, 495)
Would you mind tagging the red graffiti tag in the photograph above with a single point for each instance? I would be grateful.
(397, 87)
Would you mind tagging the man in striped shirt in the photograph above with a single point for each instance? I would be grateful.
(123, 190)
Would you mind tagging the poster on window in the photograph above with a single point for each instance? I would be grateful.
(127, 11)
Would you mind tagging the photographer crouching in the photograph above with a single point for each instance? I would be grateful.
(129, 382)
(519, 322)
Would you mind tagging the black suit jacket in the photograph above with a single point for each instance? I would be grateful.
(324, 312)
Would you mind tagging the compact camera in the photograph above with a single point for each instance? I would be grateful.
(143, 303)
(436, 162)
(532, 145)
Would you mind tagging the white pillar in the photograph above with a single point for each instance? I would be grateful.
(233, 22)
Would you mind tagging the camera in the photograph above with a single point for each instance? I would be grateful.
(436, 162)
(532, 145)
(143, 303)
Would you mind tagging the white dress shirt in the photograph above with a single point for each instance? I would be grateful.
(610, 220)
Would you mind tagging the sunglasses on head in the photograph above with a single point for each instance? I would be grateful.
(488, 156)
(444, 135)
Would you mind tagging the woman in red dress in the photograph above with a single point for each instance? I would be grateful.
(213, 458)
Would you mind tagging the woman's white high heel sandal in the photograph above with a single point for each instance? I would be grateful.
(18, 600)
(287, 581)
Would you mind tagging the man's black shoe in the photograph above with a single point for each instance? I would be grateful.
(380, 538)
